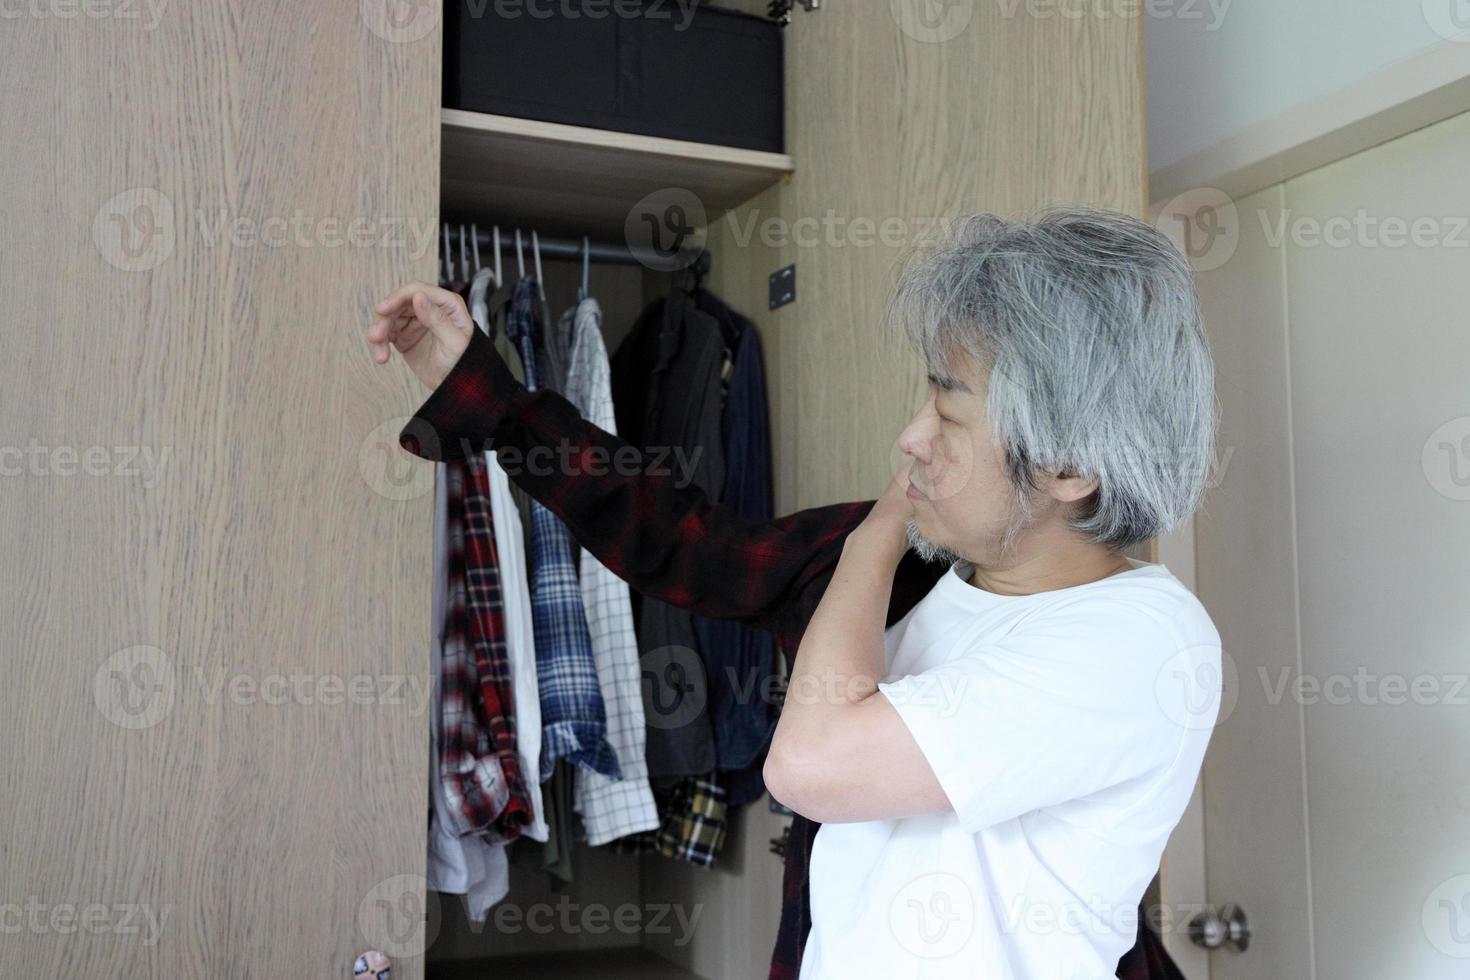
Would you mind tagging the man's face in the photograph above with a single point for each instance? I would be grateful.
(961, 491)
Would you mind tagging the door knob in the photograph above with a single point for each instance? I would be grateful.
(1223, 926)
(371, 965)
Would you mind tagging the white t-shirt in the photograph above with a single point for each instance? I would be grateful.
(1067, 728)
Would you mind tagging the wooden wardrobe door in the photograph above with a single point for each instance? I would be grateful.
(214, 609)
(900, 117)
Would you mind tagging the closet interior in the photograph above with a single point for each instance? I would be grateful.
(618, 219)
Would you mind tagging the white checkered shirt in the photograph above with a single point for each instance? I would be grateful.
(610, 808)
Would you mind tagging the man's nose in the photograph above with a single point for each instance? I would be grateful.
(917, 437)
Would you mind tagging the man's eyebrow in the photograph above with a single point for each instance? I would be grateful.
(949, 384)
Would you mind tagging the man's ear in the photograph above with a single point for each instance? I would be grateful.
(1066, 485)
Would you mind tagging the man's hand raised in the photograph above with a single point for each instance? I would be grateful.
(428, 325)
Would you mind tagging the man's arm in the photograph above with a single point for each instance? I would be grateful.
(836, 730)
(630, 507)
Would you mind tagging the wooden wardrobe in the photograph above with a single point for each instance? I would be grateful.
(203, 496)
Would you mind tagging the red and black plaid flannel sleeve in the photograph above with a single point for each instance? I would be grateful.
(655, 529)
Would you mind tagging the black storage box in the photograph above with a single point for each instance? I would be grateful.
(651, 67)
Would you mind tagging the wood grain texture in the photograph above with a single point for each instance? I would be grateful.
(579, 181)
(180, 757)
(1011, 114)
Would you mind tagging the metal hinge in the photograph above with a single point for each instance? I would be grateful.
(780, 10)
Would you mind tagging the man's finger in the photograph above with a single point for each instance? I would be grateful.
(402, 297)
(441, 313)
(386, 329)
(382, 328)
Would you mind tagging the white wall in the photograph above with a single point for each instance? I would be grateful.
(1218, 67)
(1330, 551)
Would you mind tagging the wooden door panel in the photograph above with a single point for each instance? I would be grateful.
(215, 606)
(1255, 823)
(1332, 557)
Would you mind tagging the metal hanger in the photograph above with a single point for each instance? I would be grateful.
(550, 326)
(447, 273)
(586, 264)
(699, 268)
(482, 283)
(536, 255)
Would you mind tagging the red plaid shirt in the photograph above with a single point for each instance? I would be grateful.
(477, 759)
(664, 537)
(486, 608)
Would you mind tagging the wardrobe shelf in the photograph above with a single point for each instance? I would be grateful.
(573, 180)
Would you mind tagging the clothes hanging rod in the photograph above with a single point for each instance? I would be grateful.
(554, 248)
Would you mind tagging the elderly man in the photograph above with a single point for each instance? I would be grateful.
(996, 715)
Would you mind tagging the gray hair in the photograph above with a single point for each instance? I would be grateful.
(1089, 324)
